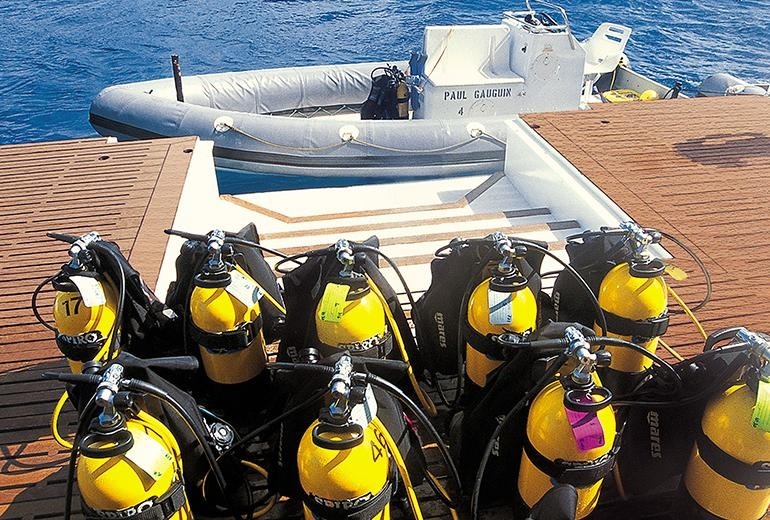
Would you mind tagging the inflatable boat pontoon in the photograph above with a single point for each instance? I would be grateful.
(307, 120)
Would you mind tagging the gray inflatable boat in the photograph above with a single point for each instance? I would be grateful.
(307, 120)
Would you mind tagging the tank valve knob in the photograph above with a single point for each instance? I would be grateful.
(603, 358)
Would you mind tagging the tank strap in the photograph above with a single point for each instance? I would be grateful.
(482, 343)
(229, 341)
(80, 347)
(753, 476)
(649, 328)
(349, 509)
(577, 473)
(374, 347)
(162, 509)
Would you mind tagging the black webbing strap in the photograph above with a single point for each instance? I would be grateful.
(482, 343)
(349, 509)
(573, 472)
(229, 341)
(80, 347)
(161, 509)
(379, 348)
(649, 328)
(753, 476)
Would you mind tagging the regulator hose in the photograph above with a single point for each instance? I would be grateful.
(398, 394)
(700, 265)
(35, 295)
(104, 249)
(541, 383)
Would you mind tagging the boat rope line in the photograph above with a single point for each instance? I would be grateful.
(357, 141)
(417, 158)
(244, 133)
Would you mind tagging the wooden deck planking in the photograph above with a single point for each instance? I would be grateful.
(699, 169)
(128, 192)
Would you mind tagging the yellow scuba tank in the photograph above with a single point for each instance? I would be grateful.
(402, 98)
(499, 304)
(570, 433)
(343, 459)
(349, 315)
(728, 474)
(129, 464)
(227, 324)
(634, 298)
(84, 307)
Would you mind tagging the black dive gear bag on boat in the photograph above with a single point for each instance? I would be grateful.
(592, 254)
(436, 313)
(383, 100)
(472, 428)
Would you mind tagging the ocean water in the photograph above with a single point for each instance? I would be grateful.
(56, 55)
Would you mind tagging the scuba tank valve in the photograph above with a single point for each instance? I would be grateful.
(502, 303)
(344, 464)
(728, 474)
(570, 431)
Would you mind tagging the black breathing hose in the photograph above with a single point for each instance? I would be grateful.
(420, 415)
(103, 248)
(35, 309)
(662, 365)
(700, 265)
(541, 383)
(275, 420)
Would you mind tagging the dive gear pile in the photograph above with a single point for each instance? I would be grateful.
(548, 403)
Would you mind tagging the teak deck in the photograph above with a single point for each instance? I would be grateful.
(129, 193)
(699, 169)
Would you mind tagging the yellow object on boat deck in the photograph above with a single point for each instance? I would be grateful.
(620, 95)
(626, 94)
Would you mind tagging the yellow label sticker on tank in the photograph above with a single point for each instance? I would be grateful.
(332, 305)
(244, 289)
(149, 456)
(760, 418)
(90, 290)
